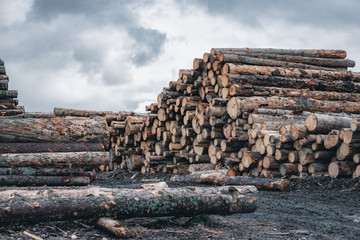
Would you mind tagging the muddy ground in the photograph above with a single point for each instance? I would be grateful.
(315, 208)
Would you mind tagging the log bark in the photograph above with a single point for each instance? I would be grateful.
(288, 82)
(324, 123)
(219, 178)
(63, 112)
(288, 169)
(61, 204)
(323, 53)
(234, 58)
(54, 130)
(18, 110)
(50, 147)
(54, 159)
(237, 105)
(47, 171)
(8, 94)
(14, 180)
(230, 68)
(255, 90)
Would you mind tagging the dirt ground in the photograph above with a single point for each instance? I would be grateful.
(315, 208)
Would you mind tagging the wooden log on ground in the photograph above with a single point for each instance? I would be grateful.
(54, 130)
(14, 111)
(54, 159)
(50, 147)
(16, 180)
(113, 226)
(220, 178)
(97, 202)
(288, 169)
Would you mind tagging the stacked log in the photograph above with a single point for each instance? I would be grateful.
(247, 110)
(8, 98)
(52, 151)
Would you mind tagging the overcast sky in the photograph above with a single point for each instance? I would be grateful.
(119, 54)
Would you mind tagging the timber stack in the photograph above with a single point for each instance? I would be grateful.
(8, 98)
(43, 149)
(251, 111)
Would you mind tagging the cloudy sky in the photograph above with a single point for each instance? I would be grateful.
(119, 54)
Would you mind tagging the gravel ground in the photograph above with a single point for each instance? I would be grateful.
(315, 208)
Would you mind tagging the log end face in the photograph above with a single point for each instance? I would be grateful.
(333, 169)
(311, 122)
(284, 185)
(232, 108)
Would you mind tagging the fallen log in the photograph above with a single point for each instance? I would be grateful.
(15, 180)
(49, 171)
(50, 147)
(54, 130)
(54, 159)
(323, 123)
(67, 204)
(220, 178)
(113, 226)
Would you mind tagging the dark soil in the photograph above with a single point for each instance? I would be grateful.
(315, 208)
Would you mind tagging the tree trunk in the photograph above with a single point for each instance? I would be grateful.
(234, 58)
(237, 105)
(14, 180)
(293, 52)
(96, 202)
(48, 171)
(54, 159)
(288, 82)
(54, 130)
(220, 178)
(230, 68)
(341, 169)
(314, 61)
(8, 94)
(254, 90)
(50, 147)
(64, 112)
(323, 123)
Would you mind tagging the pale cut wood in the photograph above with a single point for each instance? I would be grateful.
(341, 169)
(113, 226)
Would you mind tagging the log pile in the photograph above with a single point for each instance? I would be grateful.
(37, 150)
(8, 98)
(246, 110)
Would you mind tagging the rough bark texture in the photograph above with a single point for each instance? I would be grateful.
(219, 178)
(50, 147)
(54, 130)
(126, 203)
(13, 180)
(54, 159)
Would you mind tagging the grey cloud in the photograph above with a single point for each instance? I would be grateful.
(149, 43)
(318, 13)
